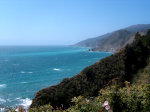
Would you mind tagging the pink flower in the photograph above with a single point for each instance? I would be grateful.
(107, 107)
(105, 103)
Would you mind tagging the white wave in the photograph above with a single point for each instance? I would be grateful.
(30, 72)
(56, 69)
(22, 72)
(2, 85)
(18, 98)
(2, 101)
(9, 100)
(24, 82)
(25, 102)
(2, 109)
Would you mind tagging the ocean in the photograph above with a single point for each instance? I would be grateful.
(26, 69)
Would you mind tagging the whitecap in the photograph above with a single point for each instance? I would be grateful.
(25, 102)
(2, 85)
(22, 72)
(18, 98)
(9, 100)
(56, 69)
(30, 72)
(23, 82)
(2, 109)
(2, 101)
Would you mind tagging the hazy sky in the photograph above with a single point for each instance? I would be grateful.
(59, 22)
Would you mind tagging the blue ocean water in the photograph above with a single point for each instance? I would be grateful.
(26, 69)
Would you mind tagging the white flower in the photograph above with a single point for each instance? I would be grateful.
(17, 110)
(87, 100)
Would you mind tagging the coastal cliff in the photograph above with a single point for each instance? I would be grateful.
(122, 65)
(113, 41)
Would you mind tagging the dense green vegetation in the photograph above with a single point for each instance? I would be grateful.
(123, 66)
(131, 98)
(127, 99)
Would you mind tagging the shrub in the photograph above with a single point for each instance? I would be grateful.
(135, 98)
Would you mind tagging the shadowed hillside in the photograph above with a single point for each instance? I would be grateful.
(122, 65)
(115, 40)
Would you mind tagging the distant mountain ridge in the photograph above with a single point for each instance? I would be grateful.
(115, 40)
(138, 27)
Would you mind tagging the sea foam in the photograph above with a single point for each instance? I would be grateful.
(56, 69)
(2, 85)
(30, 72)
(22, 72)
(2, 109)
(2, 100)
(25, 102)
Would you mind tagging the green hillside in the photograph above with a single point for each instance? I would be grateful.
(123, 66)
